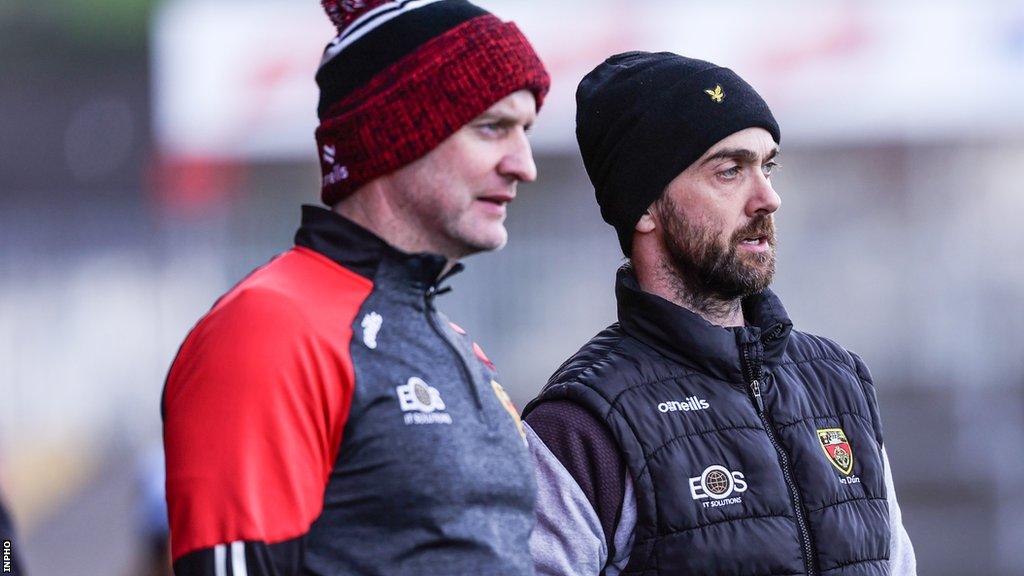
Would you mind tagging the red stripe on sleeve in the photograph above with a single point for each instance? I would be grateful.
(255, 404)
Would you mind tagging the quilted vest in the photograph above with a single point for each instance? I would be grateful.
(753, 451)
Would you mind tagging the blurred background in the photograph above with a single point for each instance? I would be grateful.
(152, 153)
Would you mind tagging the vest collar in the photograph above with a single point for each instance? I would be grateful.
(691, 340)
(363, 252)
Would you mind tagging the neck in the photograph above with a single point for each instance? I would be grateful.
(371, 208)
(662, 280)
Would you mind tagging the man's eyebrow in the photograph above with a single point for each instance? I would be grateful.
(497, 116)
(510, 111)
(502, 115)
(740, 154)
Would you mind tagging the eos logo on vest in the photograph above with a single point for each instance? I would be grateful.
(690, 403)
(718, 483)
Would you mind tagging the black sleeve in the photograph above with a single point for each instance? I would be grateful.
(585, 447)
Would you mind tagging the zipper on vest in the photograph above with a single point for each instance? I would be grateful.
(752, 375)
(428, 298)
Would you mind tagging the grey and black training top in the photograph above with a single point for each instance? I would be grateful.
(324, 418)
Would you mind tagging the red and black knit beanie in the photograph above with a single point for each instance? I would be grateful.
(402, 76)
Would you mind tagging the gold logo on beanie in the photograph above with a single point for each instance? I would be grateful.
(717, 94)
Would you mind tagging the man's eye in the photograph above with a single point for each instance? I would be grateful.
(492, 128)
(769, 167)
(730, 173)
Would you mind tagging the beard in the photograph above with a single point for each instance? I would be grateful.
(709, 270)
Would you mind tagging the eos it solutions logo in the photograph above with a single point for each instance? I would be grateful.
(422, 404)
(717, 484)
(691, 403)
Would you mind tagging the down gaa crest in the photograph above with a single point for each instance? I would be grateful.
(837, 448)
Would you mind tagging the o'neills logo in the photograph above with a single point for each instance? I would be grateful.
(337, 173)
(690, 403)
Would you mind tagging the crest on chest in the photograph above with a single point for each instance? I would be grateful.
(837, 448)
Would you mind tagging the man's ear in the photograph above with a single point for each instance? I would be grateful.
(646, 223)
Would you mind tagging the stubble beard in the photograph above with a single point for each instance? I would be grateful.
(453, 232)
(469, 234)
(711, 277)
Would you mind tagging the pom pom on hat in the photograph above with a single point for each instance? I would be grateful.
(344, 12)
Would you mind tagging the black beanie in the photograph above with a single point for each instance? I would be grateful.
(642, 118)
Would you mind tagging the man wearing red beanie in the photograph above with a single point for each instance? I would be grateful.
(324, 417)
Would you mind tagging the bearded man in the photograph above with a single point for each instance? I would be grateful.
(702, 434)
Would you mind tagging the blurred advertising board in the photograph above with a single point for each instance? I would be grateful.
(234, 80)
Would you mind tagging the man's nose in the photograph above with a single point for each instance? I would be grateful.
(518, 161)
(763, 198)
